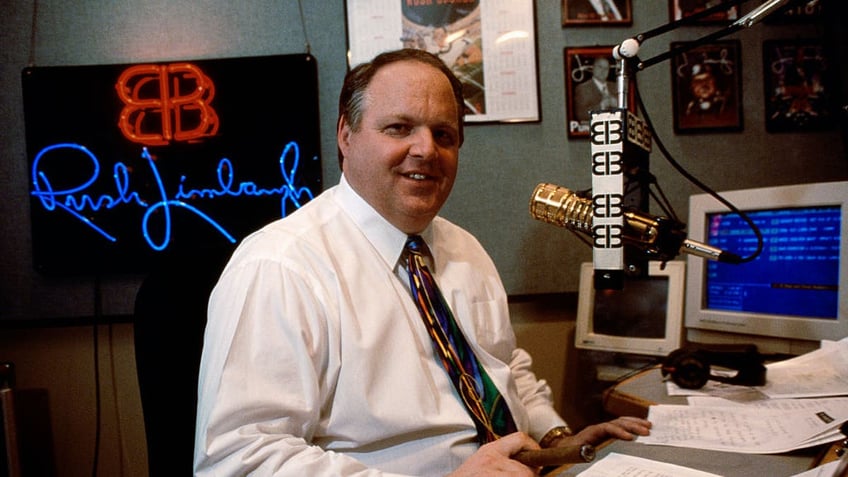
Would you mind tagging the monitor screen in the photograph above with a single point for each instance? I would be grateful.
(798, 272)
(788, 298)
(645, 317)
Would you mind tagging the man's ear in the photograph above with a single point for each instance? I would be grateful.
(343, 133)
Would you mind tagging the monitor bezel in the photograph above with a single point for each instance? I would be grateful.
(586, 338)
(776, 333)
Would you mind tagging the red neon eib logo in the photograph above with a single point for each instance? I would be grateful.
(164, 103)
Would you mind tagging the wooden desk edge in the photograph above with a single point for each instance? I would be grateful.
(619, 403)
(828, 454)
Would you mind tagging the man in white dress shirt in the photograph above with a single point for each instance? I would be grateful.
(316, 361)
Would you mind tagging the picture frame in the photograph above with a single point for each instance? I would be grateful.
(797, 14)
(499, 78)
(798, 86)
(581, 96)
(707, 87)
(680, 9)
(597, 12)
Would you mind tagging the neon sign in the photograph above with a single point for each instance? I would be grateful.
(132, 164)
(159, 101)
(76, 202)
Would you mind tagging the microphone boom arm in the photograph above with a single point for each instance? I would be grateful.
(629, 48)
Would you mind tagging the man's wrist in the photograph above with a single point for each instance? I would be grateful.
(554, 435)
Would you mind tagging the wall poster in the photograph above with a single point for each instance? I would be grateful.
(490, 46)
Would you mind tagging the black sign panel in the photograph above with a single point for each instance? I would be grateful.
(132, 163)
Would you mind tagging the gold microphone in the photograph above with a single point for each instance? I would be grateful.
(660, 238)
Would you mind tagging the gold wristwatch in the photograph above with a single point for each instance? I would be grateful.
(554, 434)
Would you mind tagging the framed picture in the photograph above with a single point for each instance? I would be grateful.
(707, 87)
(590, 84)
(499, 77)
(596, 12)
(797, 13)
(798, 86)
(680, 9)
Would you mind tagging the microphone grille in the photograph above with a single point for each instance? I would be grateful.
(559, 206)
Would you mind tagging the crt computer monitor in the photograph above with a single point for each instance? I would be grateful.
(644, 318)
(795, 293)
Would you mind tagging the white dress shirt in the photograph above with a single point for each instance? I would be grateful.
(316, 361)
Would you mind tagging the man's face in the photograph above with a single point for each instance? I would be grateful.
(403, 158)
(703, 86)
(600, 69)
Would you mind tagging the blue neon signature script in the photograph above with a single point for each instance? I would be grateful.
(75, 201)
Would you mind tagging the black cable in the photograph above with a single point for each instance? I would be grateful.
(694, 180)
(663, 200)
(96, 346)
(32, 34)
(303, 25)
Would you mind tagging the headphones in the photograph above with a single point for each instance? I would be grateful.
(689, 367)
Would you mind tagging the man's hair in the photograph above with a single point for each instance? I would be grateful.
(352, 96)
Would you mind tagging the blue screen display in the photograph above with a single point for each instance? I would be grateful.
(797, 273)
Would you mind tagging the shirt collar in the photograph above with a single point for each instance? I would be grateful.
(387, 239)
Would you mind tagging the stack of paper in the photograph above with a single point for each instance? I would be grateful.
(745, 429)
(803, 404)
(764, 420)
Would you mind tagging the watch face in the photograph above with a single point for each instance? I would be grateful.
(587, 452)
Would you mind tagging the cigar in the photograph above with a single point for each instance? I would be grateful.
(556, 456)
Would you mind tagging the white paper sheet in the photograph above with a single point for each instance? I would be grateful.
(621, 465)
(819, 373)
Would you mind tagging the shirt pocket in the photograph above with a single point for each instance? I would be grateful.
(490, 328)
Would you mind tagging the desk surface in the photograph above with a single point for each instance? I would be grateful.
(634, 395)
(728, 464)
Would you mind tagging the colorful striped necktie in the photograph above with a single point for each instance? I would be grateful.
(485, 404)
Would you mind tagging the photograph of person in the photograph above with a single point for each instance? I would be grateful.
(680, 9)
(588, 12)
(364, 334)
(591, 84)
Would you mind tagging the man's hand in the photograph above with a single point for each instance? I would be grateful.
(625, 428)
(493, 459)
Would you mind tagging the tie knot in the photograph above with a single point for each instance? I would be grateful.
(416, 244)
